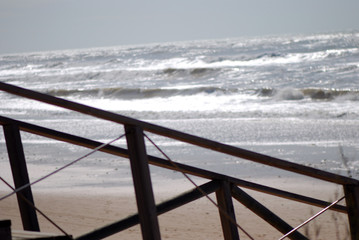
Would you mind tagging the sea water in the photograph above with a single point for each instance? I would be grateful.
(295, 97)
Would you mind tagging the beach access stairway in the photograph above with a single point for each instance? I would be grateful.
(226, 188)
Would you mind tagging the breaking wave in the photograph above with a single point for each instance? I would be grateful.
(135, 93)
(317, 94)
(312, 93)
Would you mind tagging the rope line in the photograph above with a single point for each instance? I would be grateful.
(311, 218)
(62, 168)
(38, 210)
(198, 188)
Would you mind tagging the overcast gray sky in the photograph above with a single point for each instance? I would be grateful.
(39, 25)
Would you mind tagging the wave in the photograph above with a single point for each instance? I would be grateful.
(312, 93)
(210, 64)
(135, 93)
(179, 65)
(198, 71)
(316, 94)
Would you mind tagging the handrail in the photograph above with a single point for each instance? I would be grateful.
(184, 137)
(139, 160)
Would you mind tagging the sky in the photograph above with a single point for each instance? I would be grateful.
(43, 25)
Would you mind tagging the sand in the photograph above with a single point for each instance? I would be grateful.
(79, 211)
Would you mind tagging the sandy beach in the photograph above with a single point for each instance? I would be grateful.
(82, 210)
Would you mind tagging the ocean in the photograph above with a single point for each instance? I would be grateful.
(295, 97)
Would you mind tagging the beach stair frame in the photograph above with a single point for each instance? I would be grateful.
(226, 188)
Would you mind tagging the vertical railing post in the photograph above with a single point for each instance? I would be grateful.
(142, 183)
(21, 177)
(5, 230)
(352, 200)
(227, 215)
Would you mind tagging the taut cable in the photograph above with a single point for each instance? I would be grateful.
(311, 218)
(38, 210)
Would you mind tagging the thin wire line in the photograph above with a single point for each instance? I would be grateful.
(311, 218)
(33, 206)
(58, 170)
(199, 189)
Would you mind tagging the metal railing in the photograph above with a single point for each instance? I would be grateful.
(226, 187)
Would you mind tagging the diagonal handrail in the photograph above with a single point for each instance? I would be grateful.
(184, 137)
(351, 186)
